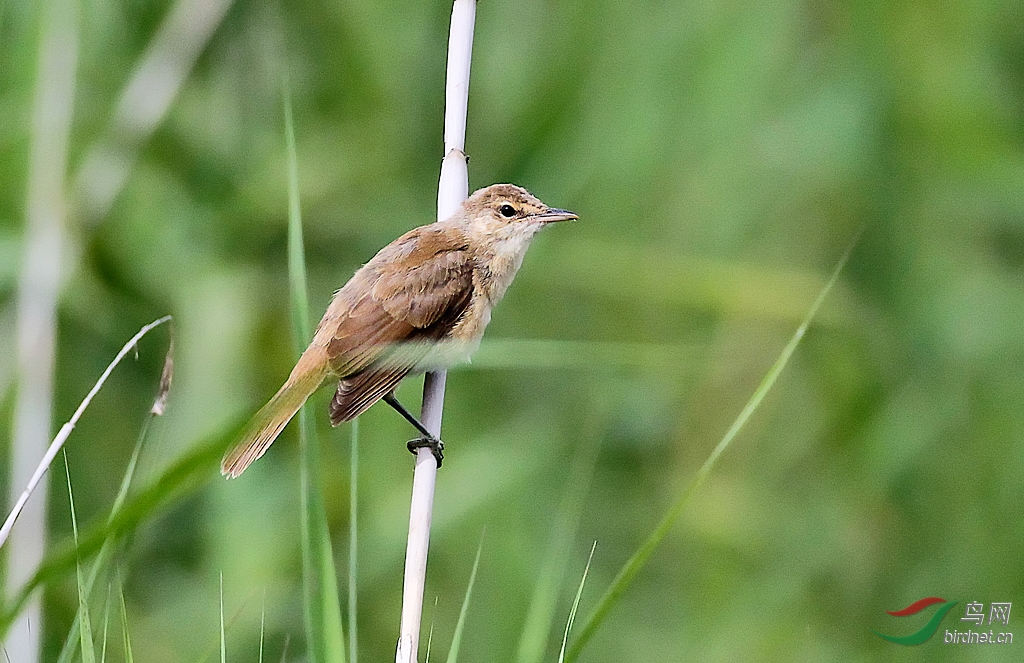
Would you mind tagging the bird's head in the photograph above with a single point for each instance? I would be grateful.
(512, 207)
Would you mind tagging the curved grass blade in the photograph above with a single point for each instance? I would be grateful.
(576, 604)
(65, 430)
(187, 475)
(158, 409)
(639, 559)
(453, 653)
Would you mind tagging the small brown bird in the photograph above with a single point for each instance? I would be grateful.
(421, 304)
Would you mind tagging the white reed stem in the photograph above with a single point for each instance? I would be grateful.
(452, 190)
(65, 430)
(38, 287)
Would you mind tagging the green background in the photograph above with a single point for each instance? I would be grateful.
(721, 157)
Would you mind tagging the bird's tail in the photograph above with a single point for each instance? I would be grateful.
(271, 419)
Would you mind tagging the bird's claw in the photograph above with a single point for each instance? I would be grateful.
(435, 445)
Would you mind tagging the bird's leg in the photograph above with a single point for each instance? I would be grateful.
(428, 439)
(390, 399)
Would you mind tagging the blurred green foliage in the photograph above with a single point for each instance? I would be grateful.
(720, 156)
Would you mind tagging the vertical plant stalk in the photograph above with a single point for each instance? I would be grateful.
(223, 644)
(38, 288)
(353, 541)
(85, 631)
(453, 188)
(325, 642)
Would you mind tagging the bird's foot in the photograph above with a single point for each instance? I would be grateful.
(435, 445)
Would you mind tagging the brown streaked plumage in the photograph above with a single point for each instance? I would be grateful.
(422, 303)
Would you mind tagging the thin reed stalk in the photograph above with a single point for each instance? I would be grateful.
(38, 287)
(325, 641)
(453, 188)
(353, 541)
(58, 442)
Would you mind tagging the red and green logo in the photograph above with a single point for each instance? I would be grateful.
(929, 629)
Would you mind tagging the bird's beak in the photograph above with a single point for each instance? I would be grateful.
(552, 215)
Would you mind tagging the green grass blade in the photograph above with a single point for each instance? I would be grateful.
(106, 623)
(185, 476)
(263, 624)
(128, 658)
(322, 605)
(296, 257)
(639, 559)
(223, 644)
(218, 645)
(430, 632)
(539, 616)
(88, 651)
(332, 637)
(453, 653)
(353, 540)
(576, 604)
(325, 641)
(158, 408)
(99, 563)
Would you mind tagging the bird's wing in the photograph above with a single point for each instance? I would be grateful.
(409, 297)
(356, 394)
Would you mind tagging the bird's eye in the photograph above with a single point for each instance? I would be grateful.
(507, 211)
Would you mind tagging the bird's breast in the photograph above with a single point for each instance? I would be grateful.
(462, 341)
(496, 262)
